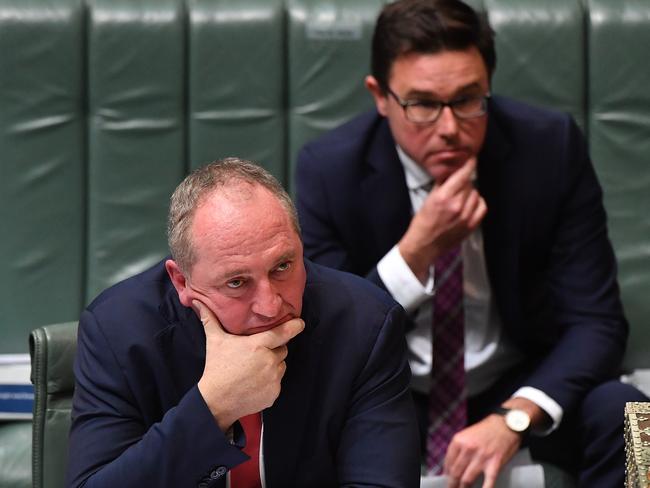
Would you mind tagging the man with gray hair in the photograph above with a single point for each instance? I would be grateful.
(236, 362)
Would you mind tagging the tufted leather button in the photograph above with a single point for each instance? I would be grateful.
(218, 473)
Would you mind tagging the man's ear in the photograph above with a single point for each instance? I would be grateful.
(180, 283)
(377, 93)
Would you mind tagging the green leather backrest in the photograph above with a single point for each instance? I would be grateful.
(619, 140)
(541, 53)
(236, 82)
(52, 349)
(135, 133)
(42, 172)
(328, 59)
(106, 104)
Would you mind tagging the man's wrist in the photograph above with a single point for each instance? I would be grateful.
(517, 420)
(539, 419)
(222, 418)
(419, 266)
(401, 283)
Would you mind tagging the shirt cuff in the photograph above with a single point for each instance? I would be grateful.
(401, 283)
(546, 403)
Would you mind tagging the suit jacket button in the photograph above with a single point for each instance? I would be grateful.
(218, 473)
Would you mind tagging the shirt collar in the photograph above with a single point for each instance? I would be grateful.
(416, 177)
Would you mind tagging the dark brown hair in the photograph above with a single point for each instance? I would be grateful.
(428, 26)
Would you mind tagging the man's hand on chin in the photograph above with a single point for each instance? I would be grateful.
(451, 211)
(242, 374)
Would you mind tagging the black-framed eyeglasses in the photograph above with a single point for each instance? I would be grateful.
(428, 111)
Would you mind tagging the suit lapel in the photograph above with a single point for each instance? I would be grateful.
(384, 196)
(497, 170)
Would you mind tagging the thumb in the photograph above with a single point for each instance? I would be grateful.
(210, 322)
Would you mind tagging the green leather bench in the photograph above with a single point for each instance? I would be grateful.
(106, 104)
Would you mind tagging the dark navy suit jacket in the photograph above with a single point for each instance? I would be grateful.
(549, 259)
(344, 416)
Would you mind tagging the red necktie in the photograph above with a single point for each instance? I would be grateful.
(247, 474)
(448, 397)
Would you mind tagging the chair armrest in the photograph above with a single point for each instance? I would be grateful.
(52, 349)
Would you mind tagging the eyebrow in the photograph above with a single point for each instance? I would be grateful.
(425, 94)
(230, 274)
(287, 256)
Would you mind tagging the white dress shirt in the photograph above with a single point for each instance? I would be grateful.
(488, 354)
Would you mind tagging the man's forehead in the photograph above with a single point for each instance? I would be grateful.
(236, 206)
(244, 243)
(440, 63)
(415, 91)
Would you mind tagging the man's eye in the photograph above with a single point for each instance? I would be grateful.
(427, 104)
(235, 283)
(283, 267)
(463, 101)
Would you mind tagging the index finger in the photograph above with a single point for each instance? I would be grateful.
(280, 335)
(459, 178)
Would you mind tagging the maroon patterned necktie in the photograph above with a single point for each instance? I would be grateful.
(448, 396)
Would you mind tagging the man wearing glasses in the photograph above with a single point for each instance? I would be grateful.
(484, 218)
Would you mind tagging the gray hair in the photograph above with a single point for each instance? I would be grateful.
(220, 174)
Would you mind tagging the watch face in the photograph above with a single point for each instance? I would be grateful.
(517, 420)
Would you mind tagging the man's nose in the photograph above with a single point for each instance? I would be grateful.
(267, 302)
(447, 123)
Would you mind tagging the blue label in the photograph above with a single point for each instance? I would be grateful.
(16, 398)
